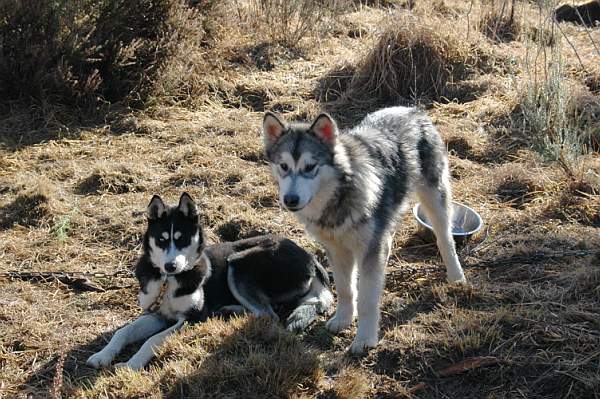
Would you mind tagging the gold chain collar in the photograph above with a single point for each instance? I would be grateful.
(163, 288)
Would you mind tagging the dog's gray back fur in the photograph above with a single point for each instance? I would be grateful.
(402, 147)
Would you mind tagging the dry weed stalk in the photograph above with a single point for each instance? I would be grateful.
(499, 22)
(562, 123)
(288, 21)
(57, 382)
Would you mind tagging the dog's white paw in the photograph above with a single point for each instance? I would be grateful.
(338, 323)
(100, 359)
(361, 345)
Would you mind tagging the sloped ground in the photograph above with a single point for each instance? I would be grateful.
(527, 325)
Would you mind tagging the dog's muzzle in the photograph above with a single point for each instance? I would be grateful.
(291, 201)
(170, 267)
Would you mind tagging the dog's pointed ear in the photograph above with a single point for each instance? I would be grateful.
(325, 128)
(273, 128)
(156, 208)
(187, 206)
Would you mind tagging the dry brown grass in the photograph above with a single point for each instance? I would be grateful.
(116, 179)
(517, 186)
(30, 208)
(413, 59)
(499, 22)
(352, 383)
(72, 199)
(287, 22)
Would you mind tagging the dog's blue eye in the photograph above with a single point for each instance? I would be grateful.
(284, 166)
(309, 168)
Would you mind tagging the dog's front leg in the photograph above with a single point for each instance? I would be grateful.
(148, 350)
(370, 289)
(140, 329)
(344, 275)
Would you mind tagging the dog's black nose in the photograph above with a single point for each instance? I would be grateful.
(170, 267)
(291, 200)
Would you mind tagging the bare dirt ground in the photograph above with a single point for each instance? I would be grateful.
(527, 324)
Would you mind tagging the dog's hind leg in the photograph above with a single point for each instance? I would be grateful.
(344, 275)
(138, 330)
(436, 201)
(317, 301)
(250, 296)
(148, 350)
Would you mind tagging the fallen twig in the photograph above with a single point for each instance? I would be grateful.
(77, 280)
(468, 364)
(420, 386)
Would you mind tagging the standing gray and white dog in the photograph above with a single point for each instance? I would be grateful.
(348, 189)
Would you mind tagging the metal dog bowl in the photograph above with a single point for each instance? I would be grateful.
(465, 221)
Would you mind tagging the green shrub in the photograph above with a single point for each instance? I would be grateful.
(561, 120)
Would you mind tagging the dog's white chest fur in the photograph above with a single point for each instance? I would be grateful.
(171, 306)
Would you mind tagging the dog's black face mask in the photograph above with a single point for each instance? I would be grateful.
(174, 236)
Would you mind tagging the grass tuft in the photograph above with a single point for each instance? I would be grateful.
(516, 186)
(287, 22)
(412, 58)
(115, 180)
(499, 23)
(30, 208)
(237, 229)
(352, 383)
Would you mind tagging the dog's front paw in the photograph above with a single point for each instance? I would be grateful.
(361, 345)
(100, 359)
(338, 323)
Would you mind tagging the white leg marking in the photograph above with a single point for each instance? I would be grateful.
(440, 215)
(140, 329)
(370, 283)
(148, 350)
(344, 275)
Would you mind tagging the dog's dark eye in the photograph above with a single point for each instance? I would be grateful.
(284, 166)
(309, 168)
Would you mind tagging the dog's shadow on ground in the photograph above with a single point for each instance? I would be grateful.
(75, 373)
(256, 359)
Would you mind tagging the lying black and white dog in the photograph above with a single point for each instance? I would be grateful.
(181, 280)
